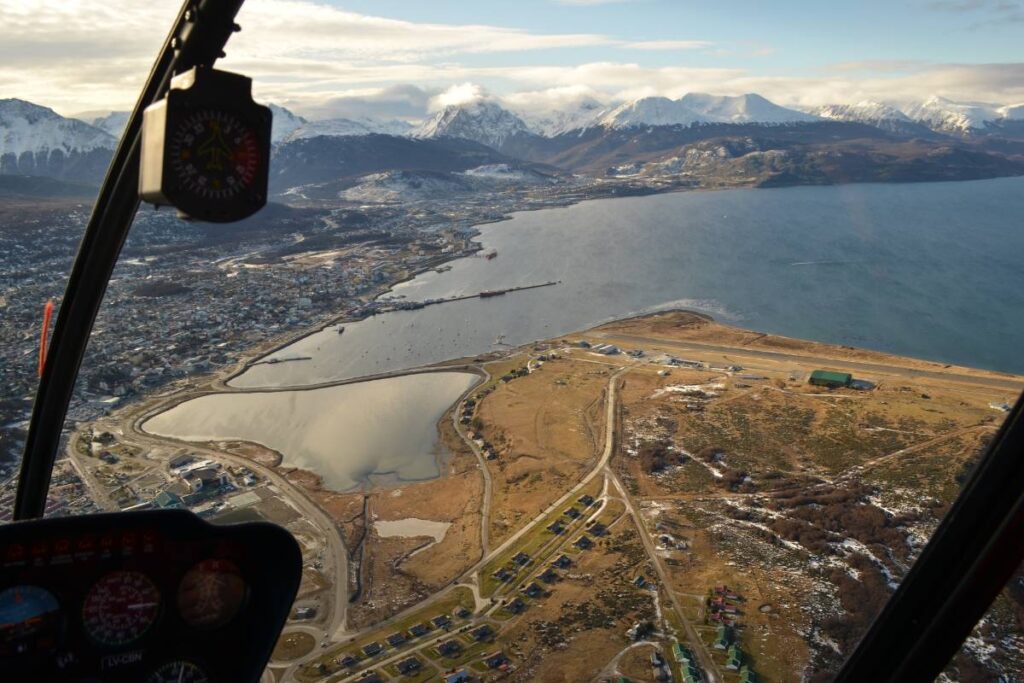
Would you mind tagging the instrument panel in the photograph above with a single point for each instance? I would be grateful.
(147, 596)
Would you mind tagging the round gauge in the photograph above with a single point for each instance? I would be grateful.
(211, 594)
(29, 620)
(178, 672)
(120, 608)
(214, 154)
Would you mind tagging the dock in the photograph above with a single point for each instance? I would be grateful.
(275, 361)
(486, 294)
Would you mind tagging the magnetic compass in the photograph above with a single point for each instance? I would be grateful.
(206, 147)
(214, 154)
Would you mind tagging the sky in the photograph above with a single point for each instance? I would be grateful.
(406, 58)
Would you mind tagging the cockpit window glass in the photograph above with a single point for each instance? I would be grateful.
(600, 339)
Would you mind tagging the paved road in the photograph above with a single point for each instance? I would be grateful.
(485, 504)
(220, 386)
(1010, 383)
(609, 447)
(706, 661)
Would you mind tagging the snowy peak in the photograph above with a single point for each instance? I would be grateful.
(481, 121)
(947, 116)
(749, 108)
(30, 128)
(650, 111)
(1011, 112)
(339, 128)
(865, 111)
(701, 108)
(112, 123)
(284, 123)
(578, 116)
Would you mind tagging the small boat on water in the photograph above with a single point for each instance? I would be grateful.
(341, 329)
(491, 254)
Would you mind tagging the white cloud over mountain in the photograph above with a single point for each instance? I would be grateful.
(326, 62)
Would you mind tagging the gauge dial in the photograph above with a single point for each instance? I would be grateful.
(211, 594)
(120, 608)
(214, 154)
(29, 620)
(178, 672)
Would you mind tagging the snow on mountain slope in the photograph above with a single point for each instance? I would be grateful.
(1011, 112)
(285, 123)
(650, 111)
(112, 123)
(414, 186)
(27, 127)
(404, 186)
(344, 127)
(700, 108)
(748, 108)
(865, 111)
(481, 121)
(580, 115)
(504, 173)
(947, 116)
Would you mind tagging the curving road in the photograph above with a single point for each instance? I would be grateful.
(485, 504)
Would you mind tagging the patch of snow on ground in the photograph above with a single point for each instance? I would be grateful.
(689, 389)
(854, 545)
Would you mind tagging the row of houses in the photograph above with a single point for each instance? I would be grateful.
(723, 608)
(688, 669)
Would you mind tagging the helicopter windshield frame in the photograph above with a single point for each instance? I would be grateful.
(963, 567)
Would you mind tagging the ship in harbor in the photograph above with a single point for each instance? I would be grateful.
(492, 292)
(491, 254)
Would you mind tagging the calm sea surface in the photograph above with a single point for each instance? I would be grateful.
(928, 270)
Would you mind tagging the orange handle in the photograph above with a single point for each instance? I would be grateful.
(47, 314)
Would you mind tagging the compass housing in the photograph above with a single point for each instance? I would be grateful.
(206, 147)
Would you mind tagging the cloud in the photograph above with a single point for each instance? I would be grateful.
(463, 93)
(989, 13)
(80, 54)
(669, 45)
(407, 102)
(76, 55)
(531, 102)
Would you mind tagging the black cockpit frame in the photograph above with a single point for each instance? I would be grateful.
(197, 38)
(974, 551)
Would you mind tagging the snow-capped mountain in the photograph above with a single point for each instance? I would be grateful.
(947, 116)
(1011, 112)
(700, 108)
(865, 111)
(30, 128)
(345, 127)
(481, 121)
(749, 108)
(284, 123)
(650, 111)
(112, 123)
(36, 140)
(578, 116)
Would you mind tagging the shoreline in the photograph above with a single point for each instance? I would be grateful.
(468, 364)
